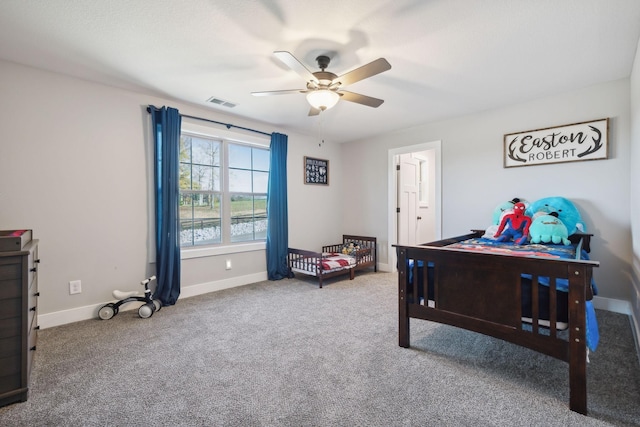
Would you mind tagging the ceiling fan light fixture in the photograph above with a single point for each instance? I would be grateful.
(323, 99)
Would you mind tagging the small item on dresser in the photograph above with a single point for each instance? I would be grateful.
(14, 240)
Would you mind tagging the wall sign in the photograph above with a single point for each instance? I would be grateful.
(316, 171)
(560, 144)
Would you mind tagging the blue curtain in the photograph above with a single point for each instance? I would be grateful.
(277, 215)
(166, 131)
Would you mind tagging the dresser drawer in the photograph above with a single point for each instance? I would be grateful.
(10, 289)
(10, 307)
(9, 374)
(10, 346)
(9, 383)
(9, 366)
(11, 327)
(10, 269)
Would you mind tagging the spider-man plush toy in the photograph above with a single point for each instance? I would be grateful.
(518, 226)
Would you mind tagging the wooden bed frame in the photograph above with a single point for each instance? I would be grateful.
(308, 262)
(482, 292)
(367, 255)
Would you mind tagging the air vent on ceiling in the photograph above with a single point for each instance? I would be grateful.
(222, 102)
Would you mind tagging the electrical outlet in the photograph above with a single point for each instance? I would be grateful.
(75, 287)
(228, 267)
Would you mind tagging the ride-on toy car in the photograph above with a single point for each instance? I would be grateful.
(146, 310)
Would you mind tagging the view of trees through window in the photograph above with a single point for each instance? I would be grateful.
(223, 191)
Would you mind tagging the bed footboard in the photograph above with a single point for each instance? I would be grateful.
(482, 292)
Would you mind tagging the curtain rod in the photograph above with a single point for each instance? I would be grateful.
(228, 125)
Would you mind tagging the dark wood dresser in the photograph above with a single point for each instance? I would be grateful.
(18, 319)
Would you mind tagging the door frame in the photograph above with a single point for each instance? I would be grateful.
(392, 230)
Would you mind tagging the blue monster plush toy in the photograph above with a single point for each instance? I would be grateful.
(548, 229)
(566, 210)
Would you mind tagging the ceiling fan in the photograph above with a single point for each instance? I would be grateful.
(324, 89)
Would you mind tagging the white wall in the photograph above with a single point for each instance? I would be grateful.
(634, 194)
(315, 211)
(74, 168)
(474, 180)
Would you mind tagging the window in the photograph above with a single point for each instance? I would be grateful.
(423, 184)
(248, 179)
(223, 191)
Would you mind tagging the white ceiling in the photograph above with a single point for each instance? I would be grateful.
(448, 57)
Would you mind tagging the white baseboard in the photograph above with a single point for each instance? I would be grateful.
(72, 315)
(384, 267)
(58, 318)
(204, 288)
(615, 305)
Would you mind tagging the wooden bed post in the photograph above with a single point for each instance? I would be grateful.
(403, 303)
(579, 280)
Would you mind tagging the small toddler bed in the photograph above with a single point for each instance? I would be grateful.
(354, 253)
(362, 248)
(526, 294)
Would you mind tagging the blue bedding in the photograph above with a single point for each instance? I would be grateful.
(485, 245)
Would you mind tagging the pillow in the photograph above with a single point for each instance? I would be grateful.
(565, 209)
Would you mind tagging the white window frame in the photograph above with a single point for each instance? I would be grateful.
(239, 137)
(423, 180)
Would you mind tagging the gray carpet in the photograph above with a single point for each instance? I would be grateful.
(289, 354)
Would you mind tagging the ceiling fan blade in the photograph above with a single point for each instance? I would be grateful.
(371, 69)
(279, 92)
(292, 62)
(314, 111)
(360, 99)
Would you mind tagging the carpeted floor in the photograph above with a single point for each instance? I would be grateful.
(289, 354)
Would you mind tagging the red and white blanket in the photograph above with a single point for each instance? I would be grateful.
(332, 261)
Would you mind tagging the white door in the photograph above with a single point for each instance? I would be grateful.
(433, 220)
(408, 178)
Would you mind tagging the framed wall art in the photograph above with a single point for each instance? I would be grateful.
(316, 171)
(560, 144)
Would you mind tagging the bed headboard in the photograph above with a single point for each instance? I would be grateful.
(362, 241)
